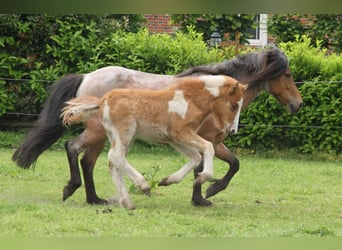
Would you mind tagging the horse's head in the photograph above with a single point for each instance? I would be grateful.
(285, 90)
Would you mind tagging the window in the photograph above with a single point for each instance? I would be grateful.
(259, 34)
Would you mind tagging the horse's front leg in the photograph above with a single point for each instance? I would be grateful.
(222, 152)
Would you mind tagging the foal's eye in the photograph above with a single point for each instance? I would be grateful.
(288, 75)
(233, 106)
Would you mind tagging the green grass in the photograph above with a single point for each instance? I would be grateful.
(273, 195)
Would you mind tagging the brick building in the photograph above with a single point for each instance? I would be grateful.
(161, 23)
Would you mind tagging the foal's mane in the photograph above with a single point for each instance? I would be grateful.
(254, 68)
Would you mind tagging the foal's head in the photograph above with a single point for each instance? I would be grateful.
(229, 100)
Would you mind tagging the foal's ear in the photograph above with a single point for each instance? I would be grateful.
(244, 87)
(238, 85)
(234, 87)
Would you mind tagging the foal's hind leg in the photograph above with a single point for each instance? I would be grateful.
(222, 152)
(193, 146)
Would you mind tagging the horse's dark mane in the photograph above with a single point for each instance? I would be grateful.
(254, 68)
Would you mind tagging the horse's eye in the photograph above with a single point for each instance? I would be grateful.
(288, 75)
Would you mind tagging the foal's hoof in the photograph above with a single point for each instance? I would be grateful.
(164, 182)
(201, 203)
(115, 201)
(203, 177)
(147, 191)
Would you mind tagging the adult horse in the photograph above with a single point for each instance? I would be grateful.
(169, 116)
(267, 70)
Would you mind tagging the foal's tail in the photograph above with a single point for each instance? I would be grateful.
(79, 109)
(48, 128)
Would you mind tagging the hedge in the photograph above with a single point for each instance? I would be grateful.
(79, 47)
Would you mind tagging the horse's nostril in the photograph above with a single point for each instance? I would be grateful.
(300, 105)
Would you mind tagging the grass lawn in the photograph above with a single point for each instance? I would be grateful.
(271, 196)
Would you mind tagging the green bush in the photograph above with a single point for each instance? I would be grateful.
(79, 47)
(74, 46)
(324, 27)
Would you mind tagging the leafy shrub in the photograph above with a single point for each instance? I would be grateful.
(79, 47)
(324, 27)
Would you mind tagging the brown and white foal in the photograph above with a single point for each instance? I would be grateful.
(172, 115)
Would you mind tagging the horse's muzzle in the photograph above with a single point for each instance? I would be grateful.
(295, 108)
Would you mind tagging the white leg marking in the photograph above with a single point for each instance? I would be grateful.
(208, 155)
(117, 179)
(195, 157)
(137, 178)
(178, 104)
(117, 160)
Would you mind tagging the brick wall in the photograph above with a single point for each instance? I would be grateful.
(160, 23)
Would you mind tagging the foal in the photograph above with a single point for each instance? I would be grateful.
(173, 115)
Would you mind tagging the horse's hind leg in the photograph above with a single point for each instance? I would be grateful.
(73, 149)
(222, 152)
(94, 140)
(88, 163)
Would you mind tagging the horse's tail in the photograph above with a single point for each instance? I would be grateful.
(48, 128)
(79, 109)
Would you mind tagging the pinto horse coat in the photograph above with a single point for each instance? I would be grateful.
(173, 115)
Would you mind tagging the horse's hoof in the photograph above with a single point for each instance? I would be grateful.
(69, 190)
(211, 190)
(201, 203)
(98, 201)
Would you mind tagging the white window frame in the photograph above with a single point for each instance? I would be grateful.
(262, 41)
